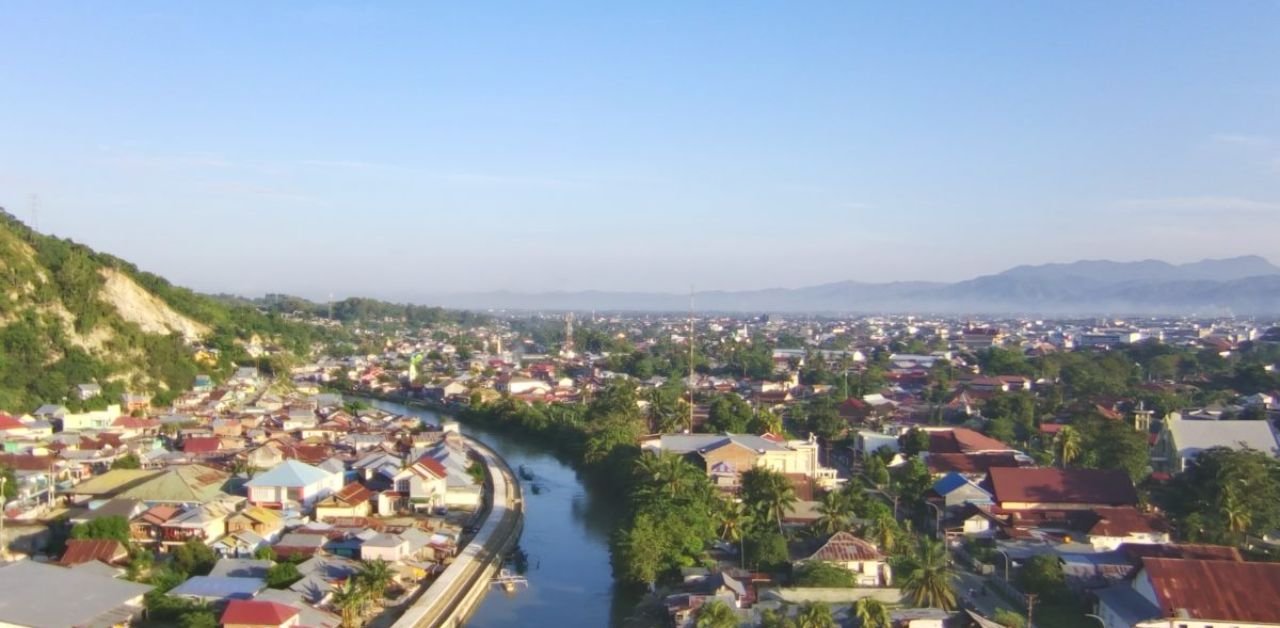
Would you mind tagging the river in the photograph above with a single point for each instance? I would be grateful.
(566, 539)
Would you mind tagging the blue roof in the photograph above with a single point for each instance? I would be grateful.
(290, 473)
(220, 587)
(949, 483)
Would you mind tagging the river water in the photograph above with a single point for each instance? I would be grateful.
(566, 540)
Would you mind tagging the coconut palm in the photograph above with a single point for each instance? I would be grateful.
(884, 532)
(350, 600)
(835, 514)
(375, 576)
(768, 493)
(1238, 517)
(716, 614)
(663, 412)
(872, 613)
(815, 615)
(667, 472)
(1067, 443)
(734, 519)
(926, 578)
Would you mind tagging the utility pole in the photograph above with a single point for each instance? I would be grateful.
(691, 381)
(1031, 606)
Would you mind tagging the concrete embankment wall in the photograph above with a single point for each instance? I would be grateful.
(459, 589)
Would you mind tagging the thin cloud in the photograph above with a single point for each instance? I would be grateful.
(1197, 205)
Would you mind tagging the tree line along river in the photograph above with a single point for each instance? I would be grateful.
(565, 542)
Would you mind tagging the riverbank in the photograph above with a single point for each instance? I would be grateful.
(570, 516)
(460, 588)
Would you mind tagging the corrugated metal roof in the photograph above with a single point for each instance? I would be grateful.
(1065, 486)
(845, 547)
(1218, 590)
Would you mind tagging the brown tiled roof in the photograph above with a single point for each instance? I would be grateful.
(1217, 590)
(354, 493)
(201, 444)
(845, 547)
(1119, 522)
(962, 440)
(1109, 487)
(25, 463)
(87, 550)
(964, 463)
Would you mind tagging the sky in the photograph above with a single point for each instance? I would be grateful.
(400, 150)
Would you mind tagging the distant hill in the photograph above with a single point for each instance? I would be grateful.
(70, 315)
(1247, 285)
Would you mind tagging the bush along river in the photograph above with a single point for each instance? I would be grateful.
(564, 549)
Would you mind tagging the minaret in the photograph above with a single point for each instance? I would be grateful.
(567, 349)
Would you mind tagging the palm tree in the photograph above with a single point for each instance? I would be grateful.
(716, 614)
(734, 518)
(768, 492)
(872, 613)
(835, 513)
(662, 412)
(375, 576)
(884, 533)
(350, 599)
(1068, 445)
(1237, 515)
(668, 471)
(815, 615)
(927, 577)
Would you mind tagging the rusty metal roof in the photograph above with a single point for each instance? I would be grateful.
(1218, 590)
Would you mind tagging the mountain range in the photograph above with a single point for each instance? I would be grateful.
(1246, 285)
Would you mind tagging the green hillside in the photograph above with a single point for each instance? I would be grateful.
(70, 315)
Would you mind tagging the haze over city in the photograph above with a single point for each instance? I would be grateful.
(406, 150)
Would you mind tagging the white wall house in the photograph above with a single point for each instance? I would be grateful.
(293, 481)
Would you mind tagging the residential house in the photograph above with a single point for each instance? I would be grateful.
(1025, 489)
(353, 500)
(725, 456)
(1181, 440)
(40, 594)
(1194, 594)
(80, 551)
(259, 614)
(264, 522)
(423, 484)
(389, 547)
(293, 482)
(218, 589)
(869, 566)
(85, 392)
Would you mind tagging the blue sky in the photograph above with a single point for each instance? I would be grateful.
(400, 150)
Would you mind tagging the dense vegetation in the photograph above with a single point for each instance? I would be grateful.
(58, 331)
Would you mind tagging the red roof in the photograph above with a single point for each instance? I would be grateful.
(9, 423)
(965, 463)
(25, 463)
(201, 444)
(353, 493)
(1217, 590)
(257, 613)
(962, 440)
(434, 466)
(1120, 522)
(133, 422)
(1103, 487)
(87, 550)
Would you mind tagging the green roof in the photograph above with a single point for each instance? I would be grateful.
(112, 482)
(183, 484)
(186, 483)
